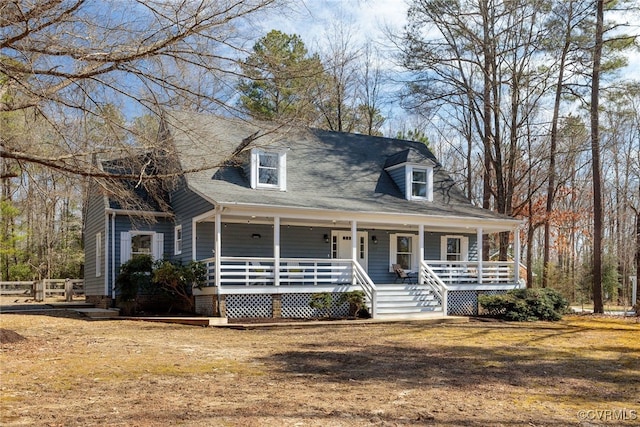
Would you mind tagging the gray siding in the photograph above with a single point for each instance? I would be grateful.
(432, 242)
(399, 178)
(308, 242)
(237, 240)
(93, 224)
(161, 225)
(186, 205)
(379, 257)
(304, 242)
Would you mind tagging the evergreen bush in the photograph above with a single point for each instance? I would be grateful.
(525, 305)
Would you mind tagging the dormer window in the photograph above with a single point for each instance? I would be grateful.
(419, 182)
(412, 172)
(268, 170)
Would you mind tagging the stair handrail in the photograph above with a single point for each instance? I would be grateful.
(360, 277)
(431, 279)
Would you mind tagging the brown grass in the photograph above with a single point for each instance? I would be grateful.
(71, 372)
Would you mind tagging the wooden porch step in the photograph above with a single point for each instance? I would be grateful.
(98, 313)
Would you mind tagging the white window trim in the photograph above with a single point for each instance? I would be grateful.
(177, 243)
(157, 244)
(98, 254)
(409, 182)
(282, 170)
(393, 250)
(464, 246)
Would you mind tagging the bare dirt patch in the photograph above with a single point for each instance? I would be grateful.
(124, 373)
(9, 337)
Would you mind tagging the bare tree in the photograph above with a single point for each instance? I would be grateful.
(479, 57)
(65, 60)
(338, 106)
(371, 83)
(565, 18)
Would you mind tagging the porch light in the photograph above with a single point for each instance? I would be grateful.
(326, 238)
(256, 236)
(374, 239)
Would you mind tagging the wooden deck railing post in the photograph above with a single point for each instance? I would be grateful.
(68, 290)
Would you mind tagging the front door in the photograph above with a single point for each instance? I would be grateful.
(341, 246)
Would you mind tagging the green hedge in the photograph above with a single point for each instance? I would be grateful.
(525, 305)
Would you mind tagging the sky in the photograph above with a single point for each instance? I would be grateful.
(368, 19)
(311, 19)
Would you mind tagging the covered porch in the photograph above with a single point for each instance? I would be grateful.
(270, 264)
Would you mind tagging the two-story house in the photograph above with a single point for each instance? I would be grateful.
(279, 213)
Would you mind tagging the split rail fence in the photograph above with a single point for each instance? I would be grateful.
(41, 289)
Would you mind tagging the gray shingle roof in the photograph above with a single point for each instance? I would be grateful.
(325, 170)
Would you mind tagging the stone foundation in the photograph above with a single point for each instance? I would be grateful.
(99, 301)
(209, 305)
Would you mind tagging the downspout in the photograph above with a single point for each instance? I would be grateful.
(113, 255)
(106, 255)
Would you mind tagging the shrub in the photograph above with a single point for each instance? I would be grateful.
(163, 282)
(356, 301)
(322, 301)
(177, 280)
(525, 305)
(134, 278)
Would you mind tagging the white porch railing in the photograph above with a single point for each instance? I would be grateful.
(360, 277)
(468, 272)
(439, 288)
(306, 272)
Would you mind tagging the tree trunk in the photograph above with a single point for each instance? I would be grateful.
(598, 305)
(552, 151)
(486, 119)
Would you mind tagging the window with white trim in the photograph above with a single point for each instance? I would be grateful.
(141, 244)
(133, 243)
(403, 250)
(177, 240)
(454, 248)
(98, 254)
(419, 183)
(268, 170)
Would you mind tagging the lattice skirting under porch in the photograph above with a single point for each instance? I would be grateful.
(285, 305)
(465, 303)
(239, 306)
(297, 306)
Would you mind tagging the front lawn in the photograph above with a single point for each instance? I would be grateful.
(71, 371)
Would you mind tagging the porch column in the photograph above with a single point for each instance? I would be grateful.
(354, 248)
(480, 254)
(194, 225)
(516, 255)
(276, 250)
(354, 241)
(421, 250)
(217, 249)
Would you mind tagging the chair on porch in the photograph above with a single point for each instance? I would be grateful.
(403, 276)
